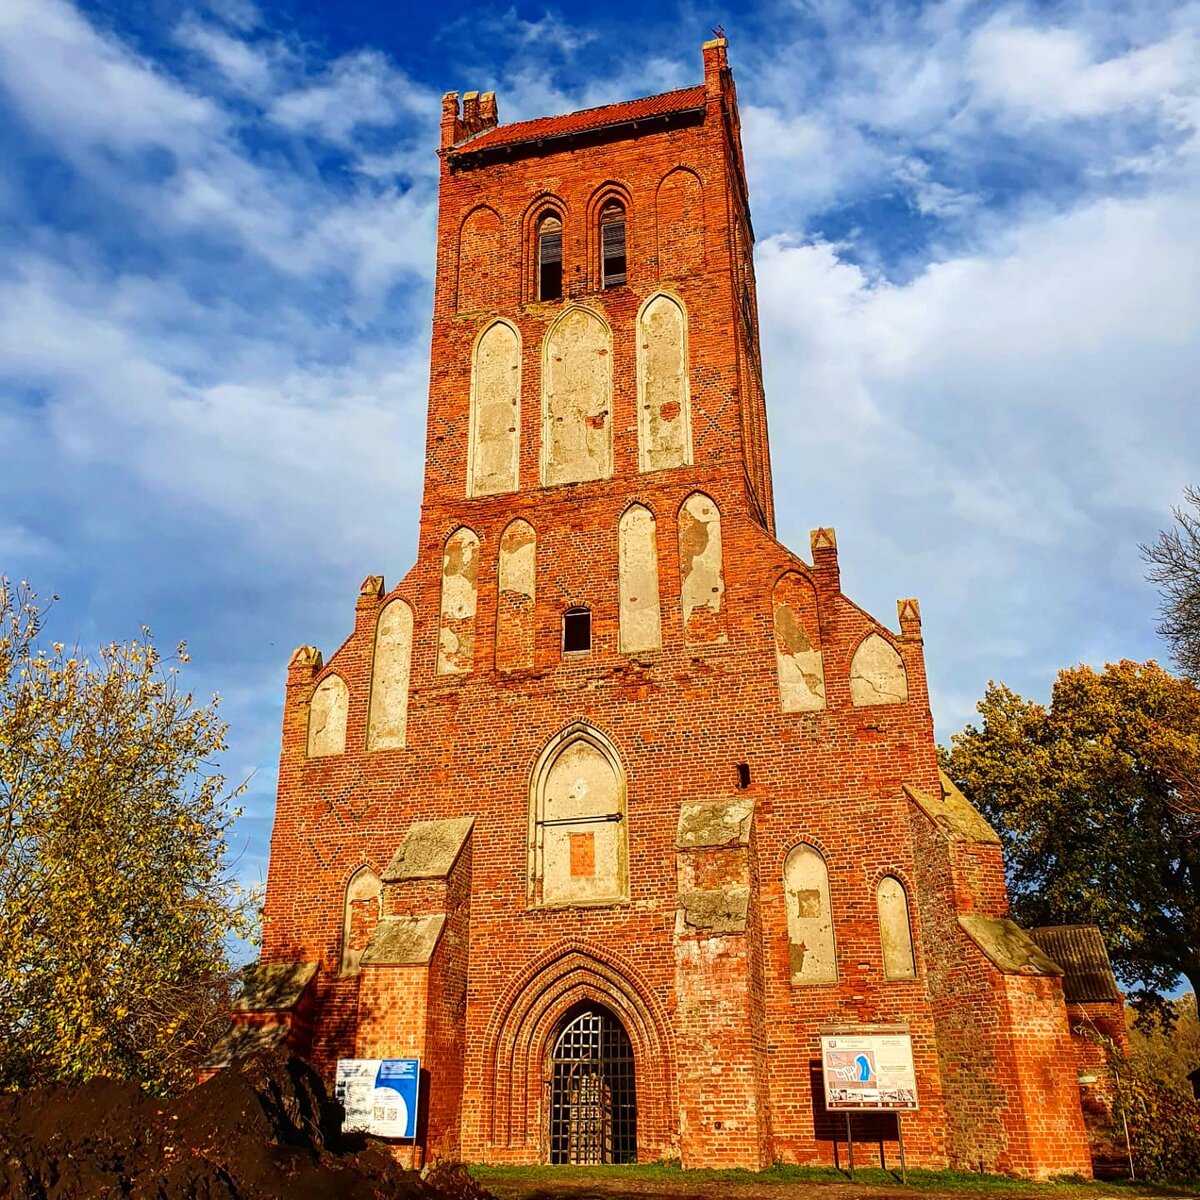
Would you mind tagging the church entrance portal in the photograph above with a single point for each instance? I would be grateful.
(593, 1106)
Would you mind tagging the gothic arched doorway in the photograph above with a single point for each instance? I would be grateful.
(593, 1104)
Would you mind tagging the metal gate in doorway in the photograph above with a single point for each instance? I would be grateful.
(593, 1105)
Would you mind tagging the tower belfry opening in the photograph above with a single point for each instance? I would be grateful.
(593, 1102)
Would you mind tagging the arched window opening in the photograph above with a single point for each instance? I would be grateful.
(877, 674)
(391, 668)
(639, 607)
(363, 906)
(612, 244)
(701, 570)
(515, 632)
(577, 397)
(798, 659)
(578, 849)
(663, 385)
(460, 598)
(593, 1099)
(577, 631)
(327, 714)
(550, 258)
(812, 957)
(493, 455)
(895, 929)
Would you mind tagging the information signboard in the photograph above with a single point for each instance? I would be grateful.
(379, 1095)
(868, 1069)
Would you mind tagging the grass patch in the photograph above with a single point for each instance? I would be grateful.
(571, 1179)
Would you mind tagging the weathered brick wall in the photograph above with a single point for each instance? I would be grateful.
(1095, 1026)
(445, 1050)
(1043, 1087)
(681, 719)
(966, 1020)
(724, 1105)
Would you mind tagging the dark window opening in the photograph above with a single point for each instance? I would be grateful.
(550, 268)
(743, 770)
(612, 244)
(593, 1100)
(577, 630)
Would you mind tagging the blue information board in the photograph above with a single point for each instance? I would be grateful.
(379, 1095)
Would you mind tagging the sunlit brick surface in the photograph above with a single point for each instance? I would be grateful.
(725, 1043)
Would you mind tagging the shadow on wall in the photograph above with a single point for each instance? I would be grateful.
(869, 1128)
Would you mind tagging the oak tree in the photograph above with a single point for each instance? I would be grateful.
(1090, 798)
(116, 897)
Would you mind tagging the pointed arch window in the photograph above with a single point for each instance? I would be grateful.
(578, 852)
(391, 667)
(812, 955)
(637, 568)
(895, 929)
(460, 598)
(550, 258)
(361, 913)
(612, 244)
(327, 714)
(515, 630)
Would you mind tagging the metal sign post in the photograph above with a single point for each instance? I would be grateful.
(416, 1123)
(869, 1068)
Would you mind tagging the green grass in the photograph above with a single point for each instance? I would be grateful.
(919, 1180)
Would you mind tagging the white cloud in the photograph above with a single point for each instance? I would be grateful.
(242, 15)
(931, 198)
(1053, 73)
(114, 104)
(993, 431)
(260, 435)
(359, 89)
(106, 96)
(247, 67)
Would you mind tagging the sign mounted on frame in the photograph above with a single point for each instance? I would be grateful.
(868, 1069)
(379, 1095)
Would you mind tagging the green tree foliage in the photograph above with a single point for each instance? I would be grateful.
(1167, 1046)
(1164, 1123)
(1091, 799)
(115, 897)
(1152, 1089)
(1175, 566)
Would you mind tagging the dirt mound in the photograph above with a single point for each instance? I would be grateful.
(265, 1130)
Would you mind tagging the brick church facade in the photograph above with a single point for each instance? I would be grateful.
(612, 786)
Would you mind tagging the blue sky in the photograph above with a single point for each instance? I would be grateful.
(979, 269)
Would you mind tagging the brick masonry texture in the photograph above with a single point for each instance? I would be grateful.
(725, 1043)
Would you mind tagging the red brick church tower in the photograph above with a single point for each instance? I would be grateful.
(612, 786)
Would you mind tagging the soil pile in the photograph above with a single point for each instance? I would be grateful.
(263, 1130)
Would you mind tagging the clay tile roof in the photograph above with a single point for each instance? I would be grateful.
(586, 119)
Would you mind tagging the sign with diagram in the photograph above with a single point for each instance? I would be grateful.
(868, 1069)
(379, 1095)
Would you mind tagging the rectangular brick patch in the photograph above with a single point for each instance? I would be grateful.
(583, 855)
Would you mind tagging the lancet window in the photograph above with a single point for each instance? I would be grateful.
(612, 244)
(578, 852)
(550, 258)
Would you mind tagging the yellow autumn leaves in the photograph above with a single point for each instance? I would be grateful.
(116, 901)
